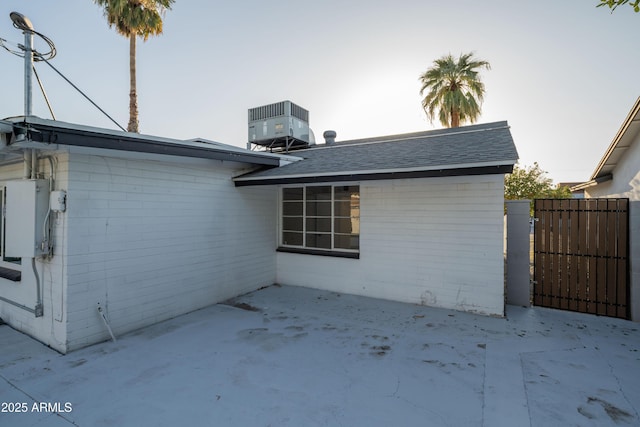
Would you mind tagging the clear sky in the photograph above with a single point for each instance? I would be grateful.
(564, 73)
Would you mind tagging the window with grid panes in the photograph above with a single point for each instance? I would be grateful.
(325, 217)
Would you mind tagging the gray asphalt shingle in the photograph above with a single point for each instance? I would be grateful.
(477, 145)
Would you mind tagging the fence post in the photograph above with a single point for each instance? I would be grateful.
(634, 259)
(518, 252)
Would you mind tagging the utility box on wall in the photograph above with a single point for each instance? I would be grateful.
(27, 206)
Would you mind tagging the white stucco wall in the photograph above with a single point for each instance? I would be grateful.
(51, 327)
(150, 240)
(626, 177)
(431, 241)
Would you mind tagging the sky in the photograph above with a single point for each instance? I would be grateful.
(563, 73)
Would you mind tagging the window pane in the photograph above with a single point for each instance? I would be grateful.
(319, 193)
(292, 208)
(355, 225)
(322, 217)
(318, 208)
(346, 225)
(346, 192)
(347, 241)
(319, 224)
(321, 241)
(343, 208)
(3, 225)
(292, 223)
(290, 238)
(292, 193)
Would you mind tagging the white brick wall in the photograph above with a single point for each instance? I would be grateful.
(51, 327)
(432, 241)
(151, 240)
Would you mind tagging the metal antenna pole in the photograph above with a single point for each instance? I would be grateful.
(23, 23)
(28, 72)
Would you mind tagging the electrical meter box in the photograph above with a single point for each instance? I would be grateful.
(26, 210)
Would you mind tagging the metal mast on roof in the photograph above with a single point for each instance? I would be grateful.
(31, 56)
(23, 23)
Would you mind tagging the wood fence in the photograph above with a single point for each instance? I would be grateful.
(581, 251)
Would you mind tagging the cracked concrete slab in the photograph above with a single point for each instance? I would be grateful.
(295, 356)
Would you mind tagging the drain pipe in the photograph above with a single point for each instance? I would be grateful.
(106, 322)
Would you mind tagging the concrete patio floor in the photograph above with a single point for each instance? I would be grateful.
(287, 356)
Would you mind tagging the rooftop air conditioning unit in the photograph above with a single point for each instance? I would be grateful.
(281, 125)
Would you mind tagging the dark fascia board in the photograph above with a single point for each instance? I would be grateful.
(632, 117)
(481, 170)
(39, 130)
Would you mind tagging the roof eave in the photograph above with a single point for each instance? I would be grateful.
(591, 183)
(55, 133)
(632, 118)
(487, 169)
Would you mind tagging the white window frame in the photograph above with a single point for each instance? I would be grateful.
(17, 263)
(332, 233)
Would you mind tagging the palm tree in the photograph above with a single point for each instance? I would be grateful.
(454, 89)
(133, 18)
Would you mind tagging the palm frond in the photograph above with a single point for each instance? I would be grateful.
(140, 17)
(452, 87)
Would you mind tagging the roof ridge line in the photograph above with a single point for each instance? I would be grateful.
(344, 143)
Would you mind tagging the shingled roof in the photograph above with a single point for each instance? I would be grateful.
(470, 150)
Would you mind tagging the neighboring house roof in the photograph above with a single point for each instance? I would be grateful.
(617, 149)
(575, 194)
(470, 150)
(568, 184)
(34, 132)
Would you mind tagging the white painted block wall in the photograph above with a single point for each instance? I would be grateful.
(431, 241)
(151, 240)
(51, 327)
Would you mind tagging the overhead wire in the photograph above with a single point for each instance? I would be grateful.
(45, 57)
(4, 43)
(83, 94)
(20, 25)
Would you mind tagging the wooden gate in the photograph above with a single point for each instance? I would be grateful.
(580, 255)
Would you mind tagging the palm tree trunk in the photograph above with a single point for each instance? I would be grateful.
(455, 118)
(133, 95)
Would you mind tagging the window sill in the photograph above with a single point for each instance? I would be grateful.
(307, 251)
(13, 275)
